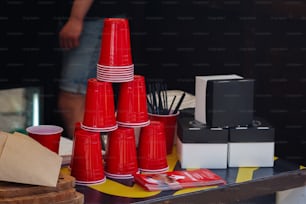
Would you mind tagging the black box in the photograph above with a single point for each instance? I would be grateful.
(229, 103)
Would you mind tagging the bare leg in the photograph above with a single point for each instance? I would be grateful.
(71, 107)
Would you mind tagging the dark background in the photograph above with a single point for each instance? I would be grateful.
(176, 41)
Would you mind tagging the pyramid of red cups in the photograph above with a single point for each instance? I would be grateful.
(122, 159)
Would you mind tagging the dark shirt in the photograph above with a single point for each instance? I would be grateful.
(100, 8)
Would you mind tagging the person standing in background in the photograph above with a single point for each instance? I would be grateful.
(80, 40)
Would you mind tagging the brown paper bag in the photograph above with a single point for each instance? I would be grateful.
(23, 160)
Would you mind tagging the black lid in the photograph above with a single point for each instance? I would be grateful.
(191, 131)
(259, 131)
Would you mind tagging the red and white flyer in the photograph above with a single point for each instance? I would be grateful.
(175, 180)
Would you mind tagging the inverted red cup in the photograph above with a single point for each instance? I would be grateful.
(87, 162)
(47, 135)
(132, 103)
(115, 43)
(170, 124)
(121, 155)
(99, 115)
(152, 154)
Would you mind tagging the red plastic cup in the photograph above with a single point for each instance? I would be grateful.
(132, 103)
(47, 135)
(99, 115)
(116, 43)
(87, 162)
(121, 156)
(170, 123)
(152, 153)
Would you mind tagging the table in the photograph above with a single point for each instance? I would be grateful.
(242, 184)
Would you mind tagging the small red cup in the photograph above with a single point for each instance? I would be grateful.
(121, 155)
(132, 103)
(47, 135)
(170, 124)
(116, 43)
(99, 115)
(86, 161)
(152, 154)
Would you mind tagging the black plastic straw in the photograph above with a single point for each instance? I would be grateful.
(179, 103)
(172, 102)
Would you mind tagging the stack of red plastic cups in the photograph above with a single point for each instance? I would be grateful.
(121, 158)
(115, 62)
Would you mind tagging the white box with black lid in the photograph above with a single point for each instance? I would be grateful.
(201, 93)
(200, 146)
(251, 146)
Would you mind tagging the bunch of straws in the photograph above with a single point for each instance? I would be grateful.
(157, 99)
